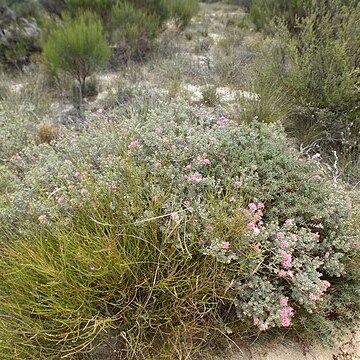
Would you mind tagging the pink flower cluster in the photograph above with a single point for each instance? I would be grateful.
(287, 258)
(286, 313)
(223, 122)
(204, 162)
(225, 245)
(254, 215)
(195, 177)
(134, 144)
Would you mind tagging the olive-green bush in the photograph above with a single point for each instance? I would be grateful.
(77, 47)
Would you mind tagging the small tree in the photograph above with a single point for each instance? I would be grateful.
(78, 48)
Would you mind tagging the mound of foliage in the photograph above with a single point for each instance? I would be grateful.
(164, 229)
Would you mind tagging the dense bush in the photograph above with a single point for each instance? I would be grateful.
(169, 224)
(315, 77)
(262, 12)
(77, 47)
(133, 29)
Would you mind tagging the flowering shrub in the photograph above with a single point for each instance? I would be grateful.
(191, 189)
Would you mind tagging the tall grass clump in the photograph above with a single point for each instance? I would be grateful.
(78, 47)
(151, 235)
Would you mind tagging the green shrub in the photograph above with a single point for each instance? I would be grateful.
(183, 10)
(77, 47)
(316, 75)
(158, 225)
(262, 12)
(133, 29)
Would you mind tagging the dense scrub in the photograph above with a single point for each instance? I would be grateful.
(181, 221)
(313, 78)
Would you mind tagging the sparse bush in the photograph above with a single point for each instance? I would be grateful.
(209, 96)
(166, 221)
(77, 47)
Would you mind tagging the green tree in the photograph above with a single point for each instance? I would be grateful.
(78, 47)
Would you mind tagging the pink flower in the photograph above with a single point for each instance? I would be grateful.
(232, 199)
(313, 297)
(188, 167)
(256, 320)
(112, 186)
(213, 140)
(326, 285)
(284, 244)
(285, 322)
(134, 144)
(251, 226)
(60, 200)
(264, 326)
(256, 230)
(195, 177)
(84, 191)
(158, 165)
(42, 218)
(287, 312)
(280, 235)
(293, 237)
(238, 183)
(286, 260)
(283, 302)
(187, 203)
(252, 207)
(260, 205)
(283, 273)
(225, 245)
(77, 174)
(204, 162)
(327, 254)
(288, 222)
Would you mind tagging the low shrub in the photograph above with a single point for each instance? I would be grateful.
(170, 223)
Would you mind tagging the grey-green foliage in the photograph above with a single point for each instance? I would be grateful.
(77, 47)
